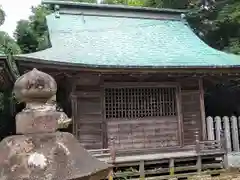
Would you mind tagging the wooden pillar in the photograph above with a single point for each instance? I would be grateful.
(202, 109)
(104, 120)
(180, 118)
(198, 151)
(74, 108)
(74, 115)
(113, 157)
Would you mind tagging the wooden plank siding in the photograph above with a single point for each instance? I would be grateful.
(190, 96)
(94, 130)
(90, 117)
(148, 132)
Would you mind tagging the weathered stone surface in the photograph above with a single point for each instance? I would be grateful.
(50, 156)
(37, 121)
(35, 86)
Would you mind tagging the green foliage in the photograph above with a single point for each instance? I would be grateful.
(125, 2)
(2, 16)
(8, 47)
(7, 44)
(175, 4)
(32, 34)
(86, 1)
(220, 26)
(135, 3)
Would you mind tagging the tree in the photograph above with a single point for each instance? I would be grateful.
(32, 34)
(2, 16)
(25, 37)
(218, 26)
(86, 1)
(175, 4)
(7, 44)
(125, 2)
(7, 47)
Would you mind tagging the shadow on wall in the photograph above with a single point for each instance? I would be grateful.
(7, 115)
(222, 100)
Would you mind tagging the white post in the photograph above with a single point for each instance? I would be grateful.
(210, 128)
(235, 137)
(227, 135)
(218, 127)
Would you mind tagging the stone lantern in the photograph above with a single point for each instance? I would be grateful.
(39, 151)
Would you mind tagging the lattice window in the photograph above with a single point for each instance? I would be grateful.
(140, 102)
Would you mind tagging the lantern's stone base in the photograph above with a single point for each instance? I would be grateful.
(48, 156)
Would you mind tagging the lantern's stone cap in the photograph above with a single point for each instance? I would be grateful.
(55, 156)
(35, 86)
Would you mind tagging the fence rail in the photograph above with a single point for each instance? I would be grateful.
(229, 127)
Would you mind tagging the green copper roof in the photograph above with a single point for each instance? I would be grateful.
(106, 41)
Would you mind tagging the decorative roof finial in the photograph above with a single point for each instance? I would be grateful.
(57, 9)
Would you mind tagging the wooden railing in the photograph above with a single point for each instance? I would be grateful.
(227, 128)
(203, 149)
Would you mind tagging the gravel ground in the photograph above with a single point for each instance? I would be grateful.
(234, 159)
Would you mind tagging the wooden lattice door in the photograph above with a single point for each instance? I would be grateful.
(142, 117)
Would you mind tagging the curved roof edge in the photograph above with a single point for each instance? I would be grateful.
(24, 59)
(81, 5)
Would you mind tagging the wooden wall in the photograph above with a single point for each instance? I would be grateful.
(191, 114)
(91, 125)
(89, 112)
(144, 132)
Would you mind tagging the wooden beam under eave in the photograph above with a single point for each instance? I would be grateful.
(202, 108)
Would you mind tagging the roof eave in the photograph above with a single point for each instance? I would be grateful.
(26, 61)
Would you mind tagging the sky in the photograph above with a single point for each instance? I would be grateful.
(16, 10)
